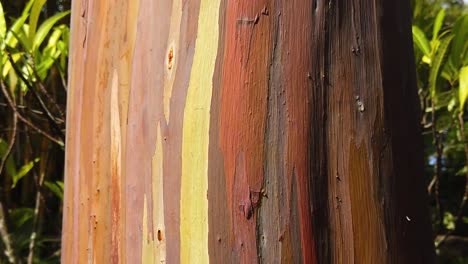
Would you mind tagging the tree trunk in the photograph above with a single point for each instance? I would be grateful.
(243, 131)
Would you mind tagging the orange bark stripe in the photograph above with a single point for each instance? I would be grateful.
(243, 115)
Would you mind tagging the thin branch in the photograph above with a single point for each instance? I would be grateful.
(34, 111)
(51, 100)
(431, 185)
(37, 208)
(438, 165)
(38, 81)
(36, 95)
(42, 87)
(39, 197)
(12, 141)
(6, 237)
(32, 238)
(62, 77)
(27, 122)
(3, 228)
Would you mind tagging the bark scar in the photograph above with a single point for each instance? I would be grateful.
(245, 21)
(84, 16)
(249, 205)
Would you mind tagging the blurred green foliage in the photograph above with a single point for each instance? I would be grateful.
(33, 73)
(440, 36)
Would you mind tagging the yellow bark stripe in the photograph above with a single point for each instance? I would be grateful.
(195, 139)
(154, 241)
(116, 165)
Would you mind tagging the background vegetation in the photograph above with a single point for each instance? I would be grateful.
(34, 42)
(440, 34)
(33, 65)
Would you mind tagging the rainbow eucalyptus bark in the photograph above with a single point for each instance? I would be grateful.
(243, 131)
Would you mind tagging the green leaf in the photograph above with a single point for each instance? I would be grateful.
(43, 68)
(418, 7)
(444, 122)
(2, 23)
(22, 38)
(20, 216)
(56, 188)
(426, 60)
(34, 17)
(438, 23)
(462, 171)
(55, 37)
(463, 90)
(452, 105)
(25, 169)
(63, 47)
(465, 57)
(65, 34)
(437, 62)
(27, 8)
(12, 81)
(49, 54)
(60, 184)
(443, 98)
(460, 43)
(10, 40)
(46, 26)
(7, 65)
(421, 41)
(449, 221)
(11, 36)
(449, 72)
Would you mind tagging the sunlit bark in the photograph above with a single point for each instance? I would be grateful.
(243, 131)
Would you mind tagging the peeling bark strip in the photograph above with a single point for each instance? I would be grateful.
(240, 131)
(195, 139)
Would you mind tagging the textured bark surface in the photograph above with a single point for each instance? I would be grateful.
(239, 131)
